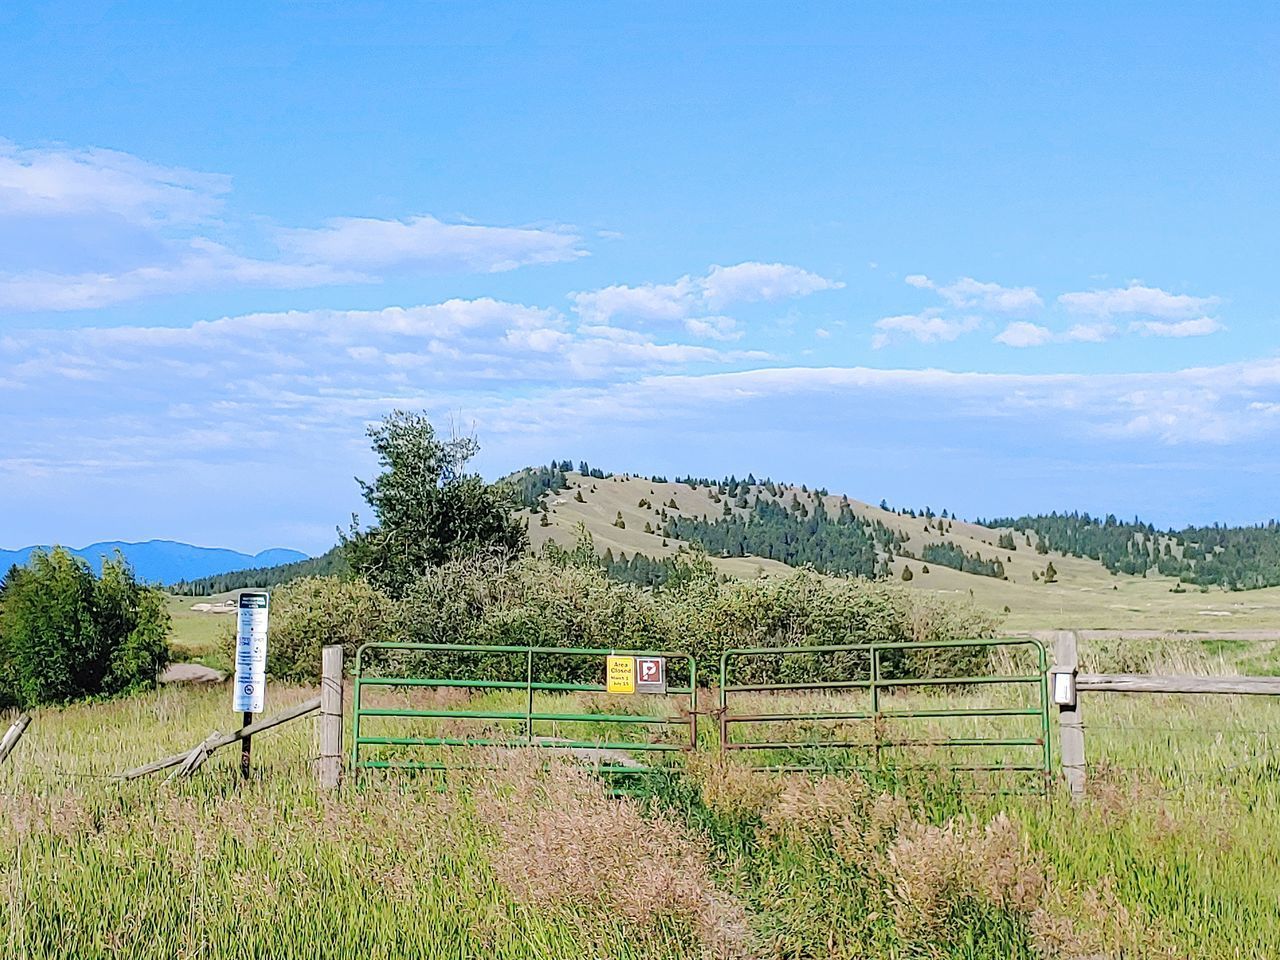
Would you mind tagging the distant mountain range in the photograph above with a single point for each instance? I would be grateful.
(165, 561)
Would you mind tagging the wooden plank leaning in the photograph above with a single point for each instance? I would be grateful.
(222, 740)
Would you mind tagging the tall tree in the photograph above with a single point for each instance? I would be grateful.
(427, 507)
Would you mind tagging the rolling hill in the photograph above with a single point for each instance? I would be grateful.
(166, 561)
(757, 528)
(1082, 594)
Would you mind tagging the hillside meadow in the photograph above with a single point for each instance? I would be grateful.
(1085, 595)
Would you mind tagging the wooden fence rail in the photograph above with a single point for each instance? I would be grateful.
(1145, 683)
(218, 740)
(1067, 697)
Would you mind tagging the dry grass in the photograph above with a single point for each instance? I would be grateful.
(562, 842)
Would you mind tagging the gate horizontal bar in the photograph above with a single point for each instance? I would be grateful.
(868, 684)
(886, 714)
(491, 648)
(499, 742)
(518, 715)
(494, 685)
(895, 645)
(872, 744)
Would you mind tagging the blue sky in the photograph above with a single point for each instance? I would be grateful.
(994, 258)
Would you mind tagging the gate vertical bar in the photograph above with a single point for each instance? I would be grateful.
(1044, 718)
(528, 707)
(875, 703)
(693, 704)
(355, 711)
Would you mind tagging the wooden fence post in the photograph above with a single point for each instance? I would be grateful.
(1066, 657)
(330, 766)
(13, 735)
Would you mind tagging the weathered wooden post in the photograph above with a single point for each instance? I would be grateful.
(13, 735)
(1066, 656)
(330, 765)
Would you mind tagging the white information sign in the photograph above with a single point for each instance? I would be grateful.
(251, 654)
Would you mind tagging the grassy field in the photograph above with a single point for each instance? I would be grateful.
(1173, 855)
(197, 635)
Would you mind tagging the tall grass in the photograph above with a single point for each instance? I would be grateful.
(1174, 854)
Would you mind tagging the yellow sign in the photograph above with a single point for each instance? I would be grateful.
(620, 674)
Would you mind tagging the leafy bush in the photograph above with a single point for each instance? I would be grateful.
(565, 599)
(67, 634)
(806, 609)
(309, 613)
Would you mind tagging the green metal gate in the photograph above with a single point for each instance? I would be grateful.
(861, 690)
(504, 688)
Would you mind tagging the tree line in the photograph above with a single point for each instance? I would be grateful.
(951, 555)
(795, 535)
(332, 562)
(1235, 558)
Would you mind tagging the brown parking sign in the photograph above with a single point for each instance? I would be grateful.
(651, 675)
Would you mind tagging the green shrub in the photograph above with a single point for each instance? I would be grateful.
(564, 599)
(67, 634)
(807, 609)
(309, 613)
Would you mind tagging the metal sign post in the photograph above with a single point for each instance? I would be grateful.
(249, 688)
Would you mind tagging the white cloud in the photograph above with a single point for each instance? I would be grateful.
(1208, 405)
(713, 328)
(928, 326)
(650, 301)
(1200, 327)
(456, 341)
(1090, 332)
(201, 265)
(748, 282)
(970, 294)
(1024, 334)
(425, 242)
(1136, 299)
(116, 228)
(60, 181)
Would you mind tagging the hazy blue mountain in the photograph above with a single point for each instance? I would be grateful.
(166, 561)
